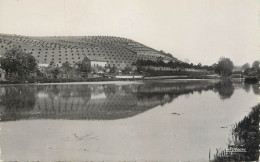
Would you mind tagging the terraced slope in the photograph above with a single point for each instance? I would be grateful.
(120, 52)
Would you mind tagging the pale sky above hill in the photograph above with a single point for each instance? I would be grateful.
(198, 30)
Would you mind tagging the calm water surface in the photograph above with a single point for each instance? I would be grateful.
(151, 120)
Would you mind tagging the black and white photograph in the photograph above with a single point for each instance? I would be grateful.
(129, 80)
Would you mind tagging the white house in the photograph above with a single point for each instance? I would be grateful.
(96, 61)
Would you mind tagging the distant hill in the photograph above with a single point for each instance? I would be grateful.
(117, 51)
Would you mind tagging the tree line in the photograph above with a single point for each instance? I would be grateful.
(253, 70)
(171, 64)
(22, 65)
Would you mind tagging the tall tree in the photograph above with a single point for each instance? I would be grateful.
(83, 67)
(245, 66)
(18, 62)
(52, 70)
(199, 65)
(255, 65)
(66, 68)
(224, 66)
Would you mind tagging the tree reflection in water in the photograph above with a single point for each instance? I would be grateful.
(245, 136)
(225, 89)
(256, 89)
(246, 87)
(98, 102)
(166, 92)
(16, 100)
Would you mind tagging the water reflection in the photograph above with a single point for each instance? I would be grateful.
(100, 102)
(245, 140)
(225, 89)
(246, 87)
(256, 89)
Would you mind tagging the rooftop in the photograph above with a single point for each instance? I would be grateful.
(96, 58)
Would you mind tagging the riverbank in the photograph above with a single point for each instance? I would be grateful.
(65, 80)
(183, 77)
(102, 79)
(246, 148)
(76, 80)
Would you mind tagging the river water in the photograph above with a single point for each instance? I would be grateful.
(169, 120)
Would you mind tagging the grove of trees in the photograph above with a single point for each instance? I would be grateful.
(171, 64)
(253, 70)
(18, 63)
(22, 65)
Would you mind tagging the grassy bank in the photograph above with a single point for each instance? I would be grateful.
(64, 80)
(246, 135)
(153, 73)
(181, 77)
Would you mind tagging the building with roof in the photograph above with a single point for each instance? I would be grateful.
(96, 61)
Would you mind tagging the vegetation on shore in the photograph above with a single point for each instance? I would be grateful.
(245, 136)
(21, 67)
(65, 80)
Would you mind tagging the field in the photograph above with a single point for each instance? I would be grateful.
(117, 51)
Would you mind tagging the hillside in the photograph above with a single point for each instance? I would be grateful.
(117, 51)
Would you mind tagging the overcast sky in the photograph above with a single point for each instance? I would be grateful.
(198, 30)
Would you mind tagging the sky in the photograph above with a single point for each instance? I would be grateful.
(197, 31)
